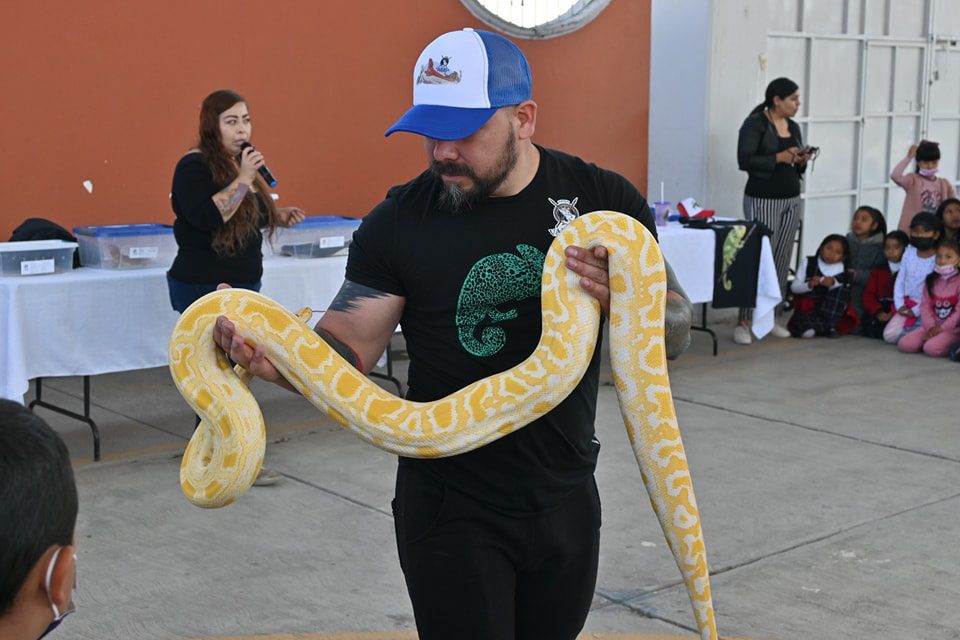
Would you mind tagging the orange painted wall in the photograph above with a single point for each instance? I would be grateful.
(109, 91)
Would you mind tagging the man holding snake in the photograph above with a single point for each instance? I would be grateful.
(500, 543)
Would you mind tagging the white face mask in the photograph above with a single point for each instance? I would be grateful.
(58, 615)
(830, 270)
(894, 266)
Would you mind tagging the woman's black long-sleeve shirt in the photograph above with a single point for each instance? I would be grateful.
(757, 148)
(198, 219)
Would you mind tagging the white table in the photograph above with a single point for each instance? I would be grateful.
(92, 321)
(692, 253)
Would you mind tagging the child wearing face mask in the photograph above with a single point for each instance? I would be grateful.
(925, 191)
(938, 332)
(878, 296)
(822, 295)
(948, 213)
(38, 516)
(917, 263)
(865, 239)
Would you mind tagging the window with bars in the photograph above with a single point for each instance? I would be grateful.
(536, 18)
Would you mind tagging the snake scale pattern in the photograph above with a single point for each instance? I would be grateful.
(226, 452)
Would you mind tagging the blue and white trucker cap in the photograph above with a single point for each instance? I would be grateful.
(459, 82)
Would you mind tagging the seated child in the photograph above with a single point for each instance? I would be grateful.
(822, 295)
(918, 261)
(866, 239)
(878, 296)
(948, 213)
(938, 332)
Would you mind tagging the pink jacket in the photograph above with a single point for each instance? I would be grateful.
(940, 309)
(922, 194)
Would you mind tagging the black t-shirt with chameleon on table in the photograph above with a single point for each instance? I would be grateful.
(472, 286)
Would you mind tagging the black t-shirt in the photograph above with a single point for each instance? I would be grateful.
(198, 218)
(785, 181)
(472, 286)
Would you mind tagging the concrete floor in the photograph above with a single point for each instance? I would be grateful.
(827, 473)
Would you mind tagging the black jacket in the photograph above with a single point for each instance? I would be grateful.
(757, 145)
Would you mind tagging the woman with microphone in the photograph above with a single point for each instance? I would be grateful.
(221, 204)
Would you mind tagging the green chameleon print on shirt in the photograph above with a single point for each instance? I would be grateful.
(491, 287)
(732, 245)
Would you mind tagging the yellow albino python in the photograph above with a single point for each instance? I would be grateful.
(226, 452)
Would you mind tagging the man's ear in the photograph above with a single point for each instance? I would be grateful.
(526, 115)
(63, 577)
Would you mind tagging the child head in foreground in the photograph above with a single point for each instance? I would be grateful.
(38, 515)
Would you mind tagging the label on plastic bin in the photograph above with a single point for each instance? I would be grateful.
(148, 253)
(36, 267)
(332, 241)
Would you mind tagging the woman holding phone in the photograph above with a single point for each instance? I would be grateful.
(770, 149)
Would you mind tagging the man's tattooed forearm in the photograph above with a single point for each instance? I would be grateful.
(228, 200)
(351, 294)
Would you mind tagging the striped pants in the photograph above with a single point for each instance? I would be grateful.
(782, 217)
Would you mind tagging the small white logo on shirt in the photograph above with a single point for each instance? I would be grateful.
(564, 212)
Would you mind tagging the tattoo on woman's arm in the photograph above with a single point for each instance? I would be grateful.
(228, 200)
(352, 294)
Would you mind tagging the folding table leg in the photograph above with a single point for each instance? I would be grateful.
(39, 402)
(703, 328)
(389, 374)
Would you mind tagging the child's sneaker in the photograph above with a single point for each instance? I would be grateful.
(741, 334)
(780, 332)
(809, 333)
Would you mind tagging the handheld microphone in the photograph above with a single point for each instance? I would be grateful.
(263, 171)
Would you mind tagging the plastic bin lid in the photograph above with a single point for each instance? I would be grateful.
(325, 221)
(114, 230)
(36, 245)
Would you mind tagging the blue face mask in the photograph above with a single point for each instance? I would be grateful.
(58, 615)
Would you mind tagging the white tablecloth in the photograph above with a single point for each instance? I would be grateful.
(92, 321)
(691, 253)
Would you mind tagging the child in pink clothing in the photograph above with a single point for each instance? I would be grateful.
(939, 330)
(925, 191)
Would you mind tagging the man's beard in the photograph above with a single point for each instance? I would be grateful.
(454, 198)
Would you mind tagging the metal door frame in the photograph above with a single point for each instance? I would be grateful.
(930, 44)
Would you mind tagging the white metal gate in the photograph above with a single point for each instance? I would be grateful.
(875, 77)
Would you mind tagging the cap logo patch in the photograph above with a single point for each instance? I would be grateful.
(439, 74)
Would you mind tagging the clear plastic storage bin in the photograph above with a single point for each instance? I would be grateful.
(315, 237)
(36, 257)
(126, 246)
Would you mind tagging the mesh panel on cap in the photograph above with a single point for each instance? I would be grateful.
(509, 74)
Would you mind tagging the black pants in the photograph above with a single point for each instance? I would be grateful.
(476, 574)
(871, 326)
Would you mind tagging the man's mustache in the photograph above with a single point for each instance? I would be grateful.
(452, 169)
